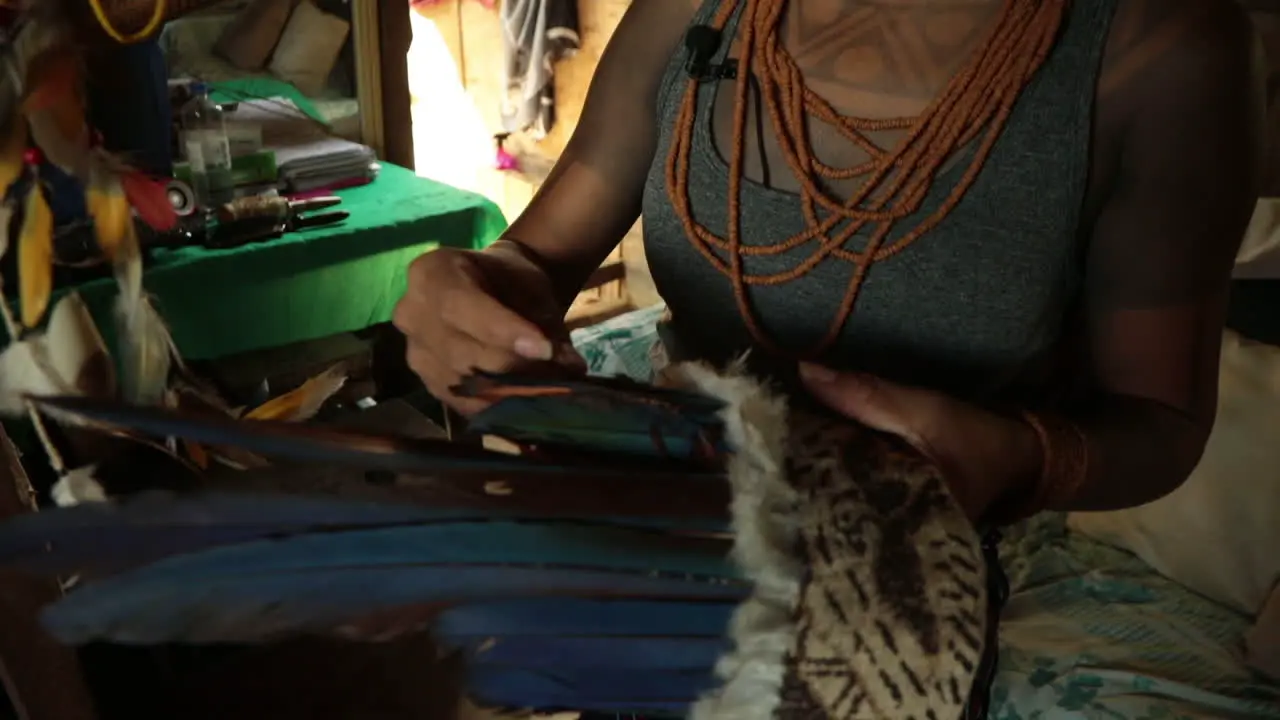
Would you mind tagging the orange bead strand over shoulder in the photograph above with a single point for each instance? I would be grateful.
(974, 106)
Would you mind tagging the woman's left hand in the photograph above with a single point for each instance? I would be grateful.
(983, 456)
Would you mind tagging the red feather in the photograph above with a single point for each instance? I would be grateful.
(150, 200)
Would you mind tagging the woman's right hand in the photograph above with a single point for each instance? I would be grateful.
(492, 310)
(497, 310)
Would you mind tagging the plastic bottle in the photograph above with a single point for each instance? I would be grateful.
(204, 141)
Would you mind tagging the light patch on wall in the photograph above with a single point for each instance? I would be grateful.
(451, 142)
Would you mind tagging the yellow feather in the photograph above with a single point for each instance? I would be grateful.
(304, 402)
(112, 216)
(35, 258)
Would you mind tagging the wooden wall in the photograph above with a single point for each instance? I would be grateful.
(472, 33)
(1266, 20)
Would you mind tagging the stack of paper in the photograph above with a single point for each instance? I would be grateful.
(308, 156)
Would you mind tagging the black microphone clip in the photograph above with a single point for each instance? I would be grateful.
(701, 43)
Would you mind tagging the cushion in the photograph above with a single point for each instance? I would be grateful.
(309, 47)
(247, 41)
(188, 47)
(1218, 533)
(1259, 255)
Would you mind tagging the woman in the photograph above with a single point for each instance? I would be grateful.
(1103, 224)
(1054, 192)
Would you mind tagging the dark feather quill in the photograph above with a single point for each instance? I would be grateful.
(602, 415)
(310, 443)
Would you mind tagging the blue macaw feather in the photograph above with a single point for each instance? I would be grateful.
(601, 415)
(154, 525)
(583, 616)
(102, 538)
(607, 690)
(464, 543)
(256, 589)
(604, 651)
(147, 606)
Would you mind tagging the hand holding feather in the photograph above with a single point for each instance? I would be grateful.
(493, 311)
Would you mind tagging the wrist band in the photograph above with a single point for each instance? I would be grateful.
(1065, 451)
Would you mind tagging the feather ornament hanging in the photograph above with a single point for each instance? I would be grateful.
(35, 257)
(68, 357)
(55, 108)
(146, 348)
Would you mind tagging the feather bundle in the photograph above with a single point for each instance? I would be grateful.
(696, 548)
(569, 578)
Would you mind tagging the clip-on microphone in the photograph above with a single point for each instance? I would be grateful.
(702, 42)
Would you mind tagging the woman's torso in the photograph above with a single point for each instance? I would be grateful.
(977, 304)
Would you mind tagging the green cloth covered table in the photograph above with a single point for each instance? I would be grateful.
(310, 284)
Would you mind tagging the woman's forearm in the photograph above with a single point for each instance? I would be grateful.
(1001, 467)
(567, 276)
(1139, 451)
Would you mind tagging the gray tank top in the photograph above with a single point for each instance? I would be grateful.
(973, 307)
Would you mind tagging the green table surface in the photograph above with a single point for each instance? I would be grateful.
(311, 284)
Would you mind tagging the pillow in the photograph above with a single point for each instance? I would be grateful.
(1262, 642)
(1218, 534)
(309, 47)
(247, 41)
(1259, 256)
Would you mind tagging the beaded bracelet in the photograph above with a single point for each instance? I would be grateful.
(1066, 463)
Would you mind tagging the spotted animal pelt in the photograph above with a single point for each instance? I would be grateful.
(870, 594)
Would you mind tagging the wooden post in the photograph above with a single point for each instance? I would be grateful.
(394, 38)
(42, 677)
